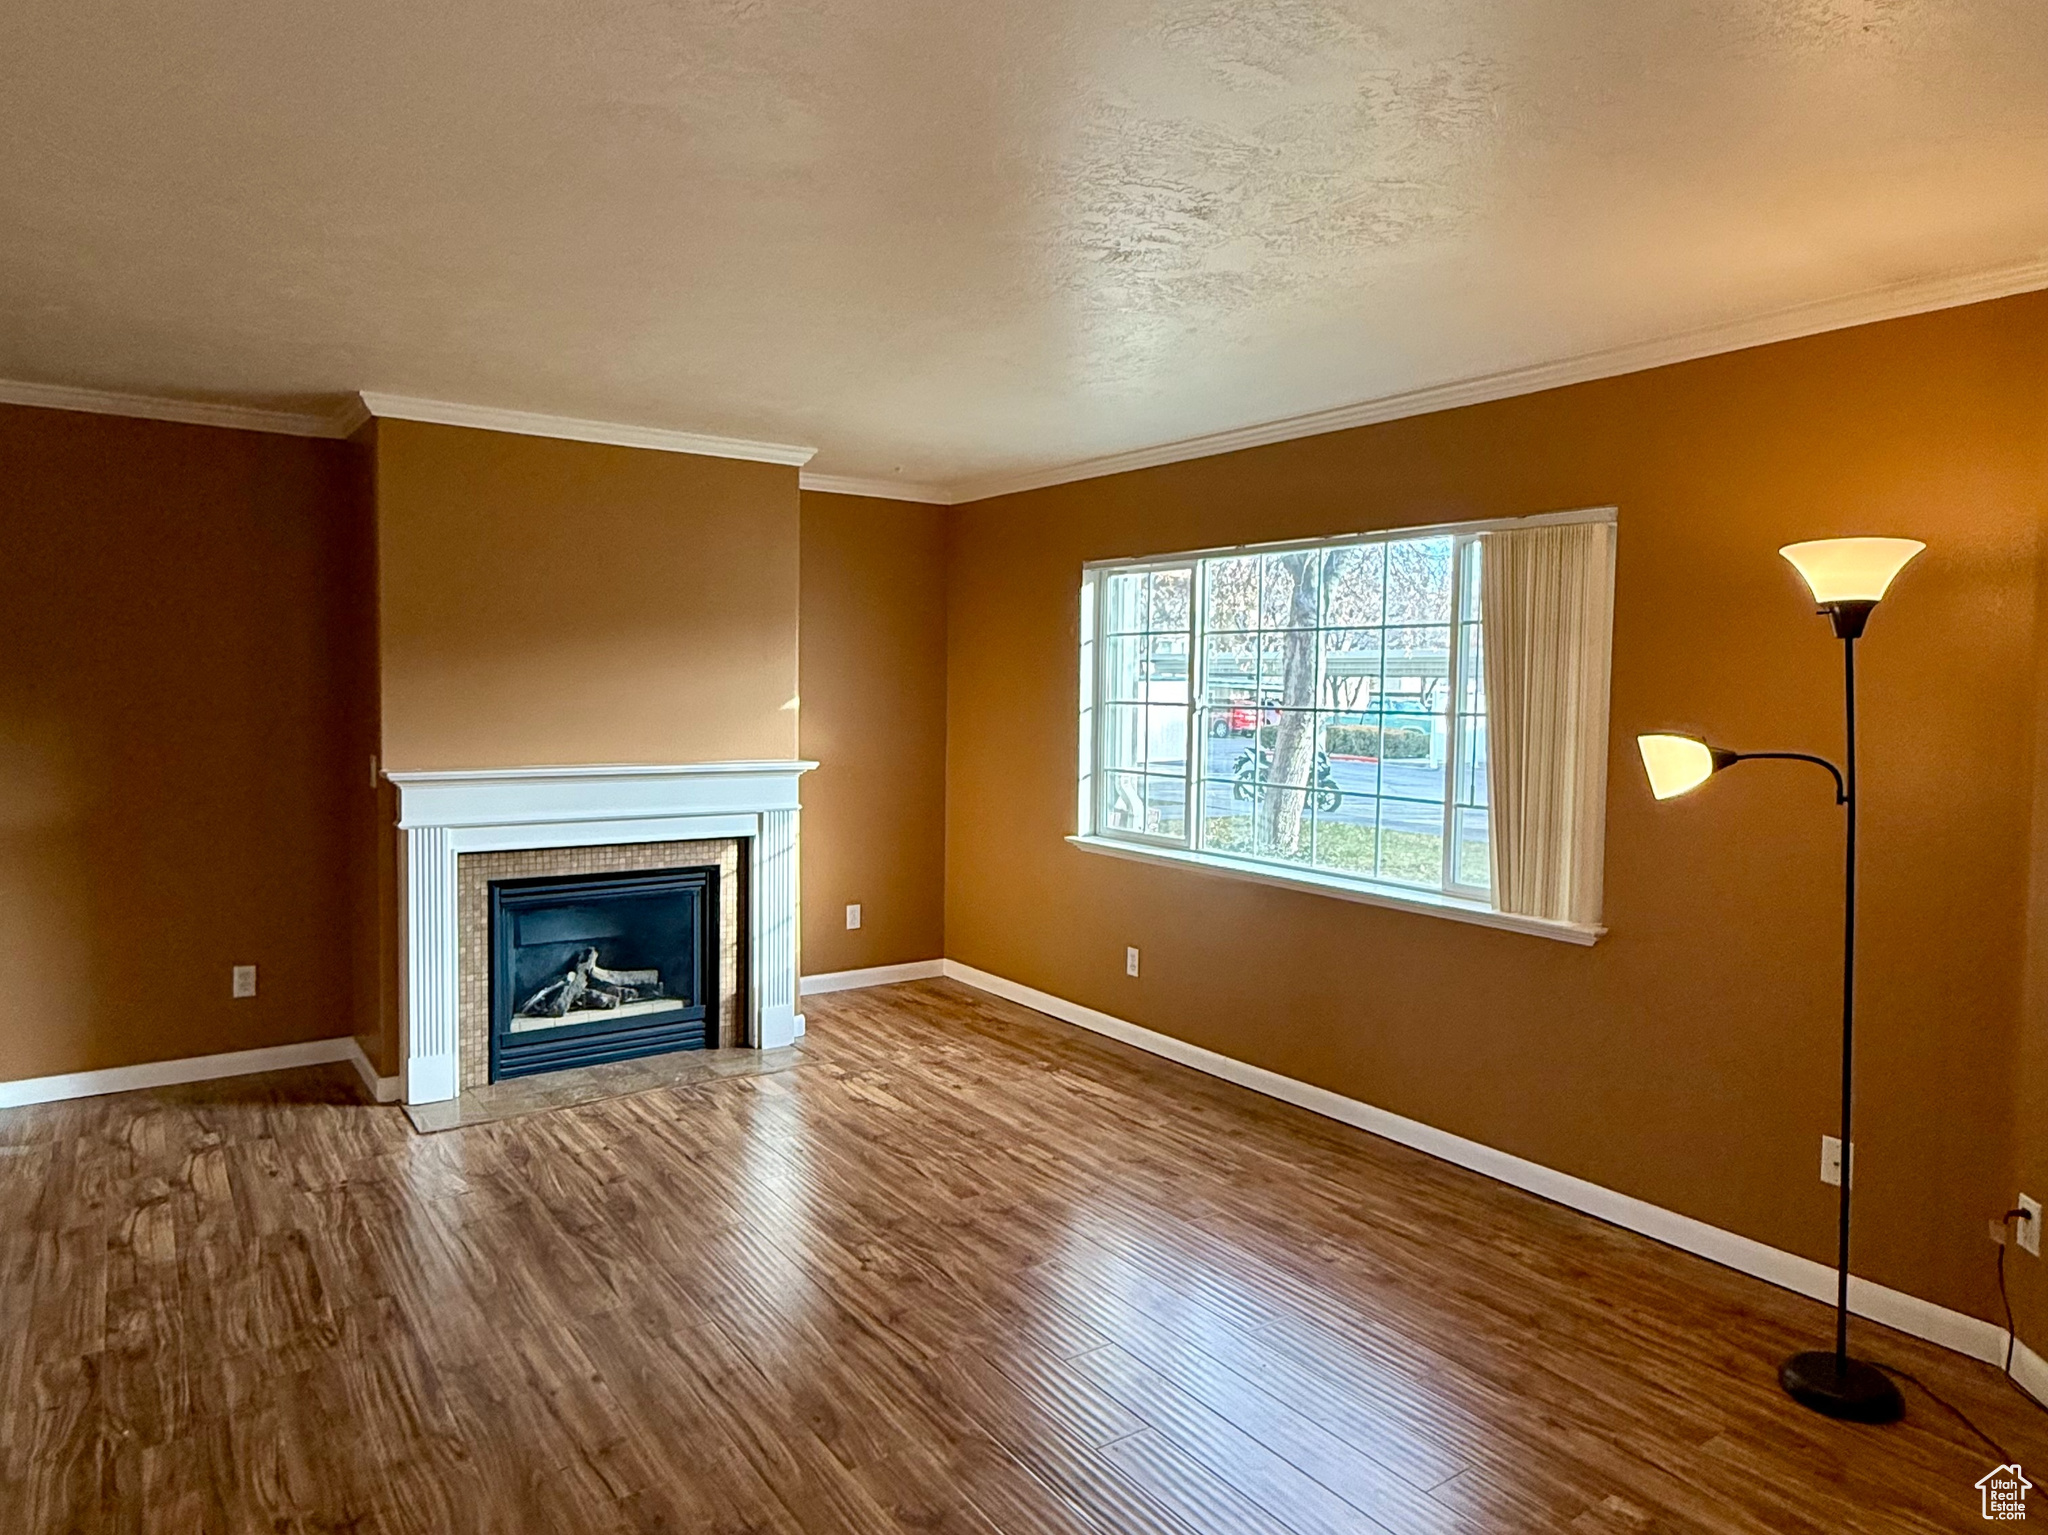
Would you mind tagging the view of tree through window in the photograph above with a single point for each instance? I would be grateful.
(1320, 707)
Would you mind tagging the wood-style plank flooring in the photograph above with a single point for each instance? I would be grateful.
(960, 1270)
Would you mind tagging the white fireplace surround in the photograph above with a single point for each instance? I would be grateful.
(445, 815)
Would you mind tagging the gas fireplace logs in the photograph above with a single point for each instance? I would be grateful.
(586, 986)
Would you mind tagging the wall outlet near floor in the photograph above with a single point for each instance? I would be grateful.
(853, 916)
(245, 980)
(2030, 1229)
(1831, 1161)
(1130, 961)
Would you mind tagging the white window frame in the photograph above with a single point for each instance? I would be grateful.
(1095, 751)
(1449, 897)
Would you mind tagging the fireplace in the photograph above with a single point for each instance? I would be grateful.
(464, 831)
(602, 967)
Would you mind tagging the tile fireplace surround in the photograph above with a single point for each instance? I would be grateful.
(447, 814)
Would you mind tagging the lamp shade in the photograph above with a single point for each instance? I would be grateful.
(1676, 764)
(1850, 569)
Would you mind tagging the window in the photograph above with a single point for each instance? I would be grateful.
(1318, 710)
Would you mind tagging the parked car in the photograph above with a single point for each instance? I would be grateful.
(1239, 719)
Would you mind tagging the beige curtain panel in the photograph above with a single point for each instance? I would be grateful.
(1546, 597)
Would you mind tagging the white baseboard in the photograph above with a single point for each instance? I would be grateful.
(874, 975)
(1893, 1308)
(380, 1089)
(192, 1068)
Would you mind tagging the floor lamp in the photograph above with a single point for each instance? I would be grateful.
(1848, 577)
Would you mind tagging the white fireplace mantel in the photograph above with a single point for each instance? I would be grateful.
(447, 814)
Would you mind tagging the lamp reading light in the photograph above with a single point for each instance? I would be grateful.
(1676, 764)
(1849, 576)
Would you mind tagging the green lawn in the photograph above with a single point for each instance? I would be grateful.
(1414, 857)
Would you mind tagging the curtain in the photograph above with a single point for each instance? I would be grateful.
(1545, 595)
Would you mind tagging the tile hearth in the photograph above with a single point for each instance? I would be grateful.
(520, 1096)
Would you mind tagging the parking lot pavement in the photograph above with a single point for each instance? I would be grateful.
(1412, 791)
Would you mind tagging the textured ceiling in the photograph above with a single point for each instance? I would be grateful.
(942, 241)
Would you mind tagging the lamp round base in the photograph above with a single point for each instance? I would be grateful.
(1842, 1388)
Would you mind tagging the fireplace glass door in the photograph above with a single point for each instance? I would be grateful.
(602, 967)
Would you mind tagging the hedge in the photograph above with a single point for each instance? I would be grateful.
(1394, 742)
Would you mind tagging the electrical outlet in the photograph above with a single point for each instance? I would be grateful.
(245, 980)
(1831, 1161)
(1130, 961)
(853, 916)
(2030, 1229)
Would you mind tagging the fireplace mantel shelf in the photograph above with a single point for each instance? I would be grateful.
(602, 770)
(514, 796)
(445, 814)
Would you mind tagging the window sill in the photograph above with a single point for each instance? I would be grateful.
(1429, 902)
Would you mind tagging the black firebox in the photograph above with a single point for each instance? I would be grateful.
(602, 967)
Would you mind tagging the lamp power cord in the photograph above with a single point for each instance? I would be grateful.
(2011, 1340)
(2005, 1300)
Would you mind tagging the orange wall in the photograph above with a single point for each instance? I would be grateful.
(874, 719)
(179, 721)
(1689, 1057)
(2028, 1276)
(372, 800)
(550, 602)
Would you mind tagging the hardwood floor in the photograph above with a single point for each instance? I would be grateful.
(961, 1269)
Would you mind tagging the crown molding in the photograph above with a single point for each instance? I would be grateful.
(360, 408)
(1892, 302)
(526, 423)
(886, 490)
(353, 416)
(144, 407)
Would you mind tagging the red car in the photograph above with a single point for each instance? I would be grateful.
(1239, 719)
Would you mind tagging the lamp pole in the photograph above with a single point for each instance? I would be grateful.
(1848, 996)
(1834, 1383)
